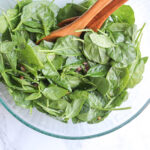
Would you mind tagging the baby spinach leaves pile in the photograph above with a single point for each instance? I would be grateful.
(82, 79)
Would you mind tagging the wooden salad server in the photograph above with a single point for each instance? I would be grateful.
(79, 23)
(100, 18)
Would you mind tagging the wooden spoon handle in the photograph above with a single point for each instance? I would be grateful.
(82, 22)
(100, 18)
(67, 21)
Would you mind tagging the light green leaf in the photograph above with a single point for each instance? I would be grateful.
(101, 40)
(33, 96)
(54, 92)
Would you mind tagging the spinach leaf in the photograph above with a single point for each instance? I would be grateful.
(30, 69)
(67, 46)
(101, 40)
(86, 85)
(2, 68)
(46, 44)
(38, 13)
(73, 81)
(29, 56)
(58, 62)
(6, 36)
(73, 60)
(118, 79)
(88, 116)
(91, 109)
(98, 71)
(8, 49)
(49, 70)
(70, 10)
(21, 4)
(78, 99)
(13, 17)
(19, 98)
(59, 105)
(48, 110)
(120, 99)
(94, 52)
(117, 27)
(67, 81)
(3, 24)
(102, 84)
(62, 82)
(33, 96)
(21, 81)
(122, 53)
(96, 100)
(125, 14)
(137, 75)
(54, 92)
(87, 3)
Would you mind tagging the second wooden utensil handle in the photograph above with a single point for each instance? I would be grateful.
(101, 17)
(82, 21)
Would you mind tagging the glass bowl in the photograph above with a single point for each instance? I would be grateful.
(138, 99)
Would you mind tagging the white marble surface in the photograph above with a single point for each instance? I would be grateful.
(16, 136)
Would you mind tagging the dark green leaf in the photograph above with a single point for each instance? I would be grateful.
(98, 71)
(70, 10)
(87, 3)
(102, 84)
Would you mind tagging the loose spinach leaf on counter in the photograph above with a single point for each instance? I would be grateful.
(79, 79)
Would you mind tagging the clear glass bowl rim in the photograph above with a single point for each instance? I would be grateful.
(79, 137)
